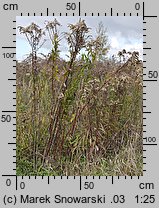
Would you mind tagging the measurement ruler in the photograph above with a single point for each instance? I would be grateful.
(79, 191)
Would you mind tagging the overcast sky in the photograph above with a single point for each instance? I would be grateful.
(123, 32)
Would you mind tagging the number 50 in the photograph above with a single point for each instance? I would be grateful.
(70, 6)
(6, 118)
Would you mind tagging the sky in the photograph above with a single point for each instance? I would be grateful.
(123, 33)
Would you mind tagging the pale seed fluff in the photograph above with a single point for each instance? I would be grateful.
(61, 96)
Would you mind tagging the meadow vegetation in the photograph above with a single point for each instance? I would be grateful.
(82, 116)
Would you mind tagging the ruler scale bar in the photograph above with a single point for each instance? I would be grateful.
(123, 190)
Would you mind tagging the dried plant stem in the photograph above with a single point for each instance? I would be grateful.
(52, 29)
(34, 34)
(35, 103)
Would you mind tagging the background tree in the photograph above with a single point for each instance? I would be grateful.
(102, 42)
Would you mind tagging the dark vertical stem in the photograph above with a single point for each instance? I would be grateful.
(34, 72)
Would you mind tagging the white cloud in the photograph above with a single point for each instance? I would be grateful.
(114, 42)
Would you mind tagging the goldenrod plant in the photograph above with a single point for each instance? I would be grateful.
(82, 116)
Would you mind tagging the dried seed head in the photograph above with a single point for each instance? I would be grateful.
(31, 29)
(33, 34)
(77, 37)
(120, 53)
(52, 24)
(79, 26)
(123, 51)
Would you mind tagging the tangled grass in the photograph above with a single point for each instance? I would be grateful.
(87, 119)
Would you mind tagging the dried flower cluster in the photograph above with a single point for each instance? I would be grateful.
(33, 33)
